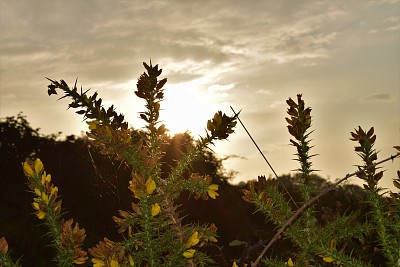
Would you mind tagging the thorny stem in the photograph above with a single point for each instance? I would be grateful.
(147, 236)
(174, 217)
(172, 214)
(297, 214)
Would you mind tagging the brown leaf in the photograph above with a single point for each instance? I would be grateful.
(396, 184)
(161, 83)
(291, 103)
(247, 195)
(3, 245)
(370, 132)
(378, 176)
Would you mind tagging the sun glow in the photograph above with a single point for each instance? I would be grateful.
(186, 108)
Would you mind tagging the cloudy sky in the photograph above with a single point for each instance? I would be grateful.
(343, 56)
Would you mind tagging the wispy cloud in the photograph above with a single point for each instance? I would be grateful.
(221, 87)
(100, 40)
(393, 19)
(389, 25)
(382, 2)
(378, 97)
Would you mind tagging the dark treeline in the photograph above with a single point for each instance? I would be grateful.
(93, 188)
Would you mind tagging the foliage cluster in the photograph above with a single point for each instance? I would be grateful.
(342, 239)
(153, 229)
(93, 188)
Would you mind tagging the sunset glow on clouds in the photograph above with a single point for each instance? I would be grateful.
(343, 56)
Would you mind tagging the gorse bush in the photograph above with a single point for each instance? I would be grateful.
(333, 241)
(153, 231)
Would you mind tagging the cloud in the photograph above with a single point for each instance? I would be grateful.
(381, 2)
(264, 92)
(388, 29)
(100, 40)
(378, 97)
(393, 19)
(221, 87)
(391, 24)
(278, 104)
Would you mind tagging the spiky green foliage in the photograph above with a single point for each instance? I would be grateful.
(153, 232)
(386, 226)
(67, 238)
(340, 241)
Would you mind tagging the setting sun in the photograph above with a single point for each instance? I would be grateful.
(186, 108)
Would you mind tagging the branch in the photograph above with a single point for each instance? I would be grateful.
(254, 142)
(262, 154)
(297, 214)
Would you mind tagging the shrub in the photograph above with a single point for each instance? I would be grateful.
(153, 232)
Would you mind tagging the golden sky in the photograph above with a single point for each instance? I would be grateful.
(343, 56)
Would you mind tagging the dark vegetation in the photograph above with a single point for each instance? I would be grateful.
(94, 187)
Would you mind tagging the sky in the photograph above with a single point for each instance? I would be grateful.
(342, 56)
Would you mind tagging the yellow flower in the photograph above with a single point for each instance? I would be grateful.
(150, 186)
(193, 240)
(114, 263)
(328, 259)
(98, 263)
(290, 262)
(108, 131)
(45, 178)
(213, 239)
(37, 168)
(38, 165)
(35, 205)
(45, 198)
(41, 214)
(79, 261)
(131, 261)
(212, 191)
(92, 124)
(53, 190)
(27, 169)
(189, 253)
(136, 192)
(37, 192)
(235, 264)
(155, 209)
